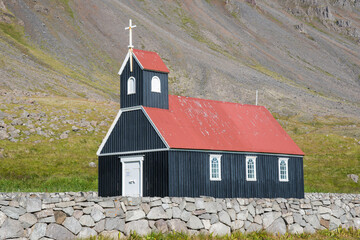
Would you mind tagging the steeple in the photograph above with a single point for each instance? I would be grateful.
(131, 46)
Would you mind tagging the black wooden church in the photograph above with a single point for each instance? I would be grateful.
(165, 145)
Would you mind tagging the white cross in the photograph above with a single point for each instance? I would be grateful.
(130, 33)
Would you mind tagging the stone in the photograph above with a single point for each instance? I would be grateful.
(145, 207)
(69, 211)
(237, 224)
(195, 223)
(289, 220)
(253, 227)
(206, 223)
(177, 225)
(214, 218)
(356, 223)
(100, 226)
(313, 221)
(141, 227)
(96, 214)
(33, 204)
(337, 211)
(4, 135)
(59, 217)
(58, 232)
(325, 223)
(63, 136)
(185, 216)
(72, 224)
(309, 229)
(77, 214)
(135, 215)
(269, 218)
(353, 177)
(75, 128)
(28, 220)
(277, 227)
(251, 210)
(199, 203)
(38, 231)
(232, 214)
(2, 218)
(92, 164)
(190, 207)
(258, 219)
(50, 219)
(161, 225)
(299, 219)
(210, 207)
(242, 215)
(11, 229)
(107, 204)
(176, 212)
(224, 218)
(114, 224)
(13, 212)
(334, 223)
(87, 232)
(86, 221)
(323, 210)
(219, 229)
(296, 229)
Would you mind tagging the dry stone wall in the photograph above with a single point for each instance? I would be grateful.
(84, 214)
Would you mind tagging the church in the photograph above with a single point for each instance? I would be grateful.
(165, 145)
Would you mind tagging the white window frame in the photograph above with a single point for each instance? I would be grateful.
(153, 86)
(287, 169)
(128, 89)
(246, 168)
(218, 157)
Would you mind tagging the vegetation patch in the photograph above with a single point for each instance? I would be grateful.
(339, 233)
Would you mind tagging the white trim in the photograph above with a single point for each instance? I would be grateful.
(127, 109)
(246, 168)
(134, 152)
(218, 157)
(133, 87)
(158, 132)
(155, 78)
(108, 133)
(287, 169)
(248, 153)
(126, 159)
(126, 60)
(124, 63)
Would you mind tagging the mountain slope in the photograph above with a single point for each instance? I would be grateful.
(293, 52)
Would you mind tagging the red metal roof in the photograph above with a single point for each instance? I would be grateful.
(150, 61)
(192, 123)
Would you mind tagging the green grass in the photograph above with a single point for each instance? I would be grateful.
(67, 7)
(332, 152)
(340, 233)
(36, 164)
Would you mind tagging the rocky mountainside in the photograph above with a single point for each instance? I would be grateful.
(302, 55)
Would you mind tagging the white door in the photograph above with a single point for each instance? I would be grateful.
(132, 176)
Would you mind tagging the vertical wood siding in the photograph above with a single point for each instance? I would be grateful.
(189, 175)
(109, 171)
(132, 132)
(132, 99)
(153, 99)
(155, 175)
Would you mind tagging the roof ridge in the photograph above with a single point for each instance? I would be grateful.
(217, 101)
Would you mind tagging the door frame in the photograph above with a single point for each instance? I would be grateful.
(124, 160)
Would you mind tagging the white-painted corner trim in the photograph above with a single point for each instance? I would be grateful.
(134, 152)
(126, 60)
(124, 63)
(108, 133)
(138, 158)
(158, 132)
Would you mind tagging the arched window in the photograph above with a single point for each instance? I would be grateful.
(283, 170)
(155, 84)
(131, 86)
(215, 167)
(251, 168)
